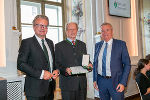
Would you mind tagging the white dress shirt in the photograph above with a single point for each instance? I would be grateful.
(71, 40)
(49, 54)
(108, 58)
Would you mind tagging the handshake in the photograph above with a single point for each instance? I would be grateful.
(48, 76)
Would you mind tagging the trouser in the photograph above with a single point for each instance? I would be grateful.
(107, 90)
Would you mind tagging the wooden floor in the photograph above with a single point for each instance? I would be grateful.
(136, 97)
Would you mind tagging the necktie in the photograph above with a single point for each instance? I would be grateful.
(104, 60)
(73, 42)
(46, 54)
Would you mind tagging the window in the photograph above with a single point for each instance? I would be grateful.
(53, 9)
(145, 20)
(55, 0)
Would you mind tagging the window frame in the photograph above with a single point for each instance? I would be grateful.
(43, 3)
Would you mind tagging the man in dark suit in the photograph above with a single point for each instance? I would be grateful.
(111, 65)
(68, 54)
(35, 59)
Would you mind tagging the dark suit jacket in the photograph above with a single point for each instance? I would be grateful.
(143, 83)
(148, 73)
(119, 63)
(31, 61)
(67, 56)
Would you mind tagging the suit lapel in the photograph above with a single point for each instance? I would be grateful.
(113, 52)
(99, 48)
(50, 47)
(113, 49)
(97, 51)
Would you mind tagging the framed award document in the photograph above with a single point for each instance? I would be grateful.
(81, 69)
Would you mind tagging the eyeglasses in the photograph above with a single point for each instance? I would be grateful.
(42, 26)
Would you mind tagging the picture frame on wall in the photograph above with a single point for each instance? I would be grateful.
(121, 8)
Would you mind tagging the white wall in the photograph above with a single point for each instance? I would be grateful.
(2, 36)
(11, 39)
(90, 29)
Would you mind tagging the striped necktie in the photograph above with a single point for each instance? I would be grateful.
(46, 53)
(104, 60)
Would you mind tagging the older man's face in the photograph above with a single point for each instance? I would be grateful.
(40, 27)
(107, 32)
(71, 31)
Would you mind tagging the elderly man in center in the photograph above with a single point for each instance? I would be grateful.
(69, 53)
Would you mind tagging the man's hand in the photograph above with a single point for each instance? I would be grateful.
(55, 74)
(69, 71)
(95, 85)
(120, 88)
(148, 91)
(47, 75)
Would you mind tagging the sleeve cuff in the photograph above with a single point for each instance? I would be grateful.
(42, 74)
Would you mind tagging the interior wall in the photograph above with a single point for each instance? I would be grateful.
(125, 28)
(90, 29)
(11, 39)
(2, 36)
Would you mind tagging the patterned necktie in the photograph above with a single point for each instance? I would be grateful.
(104, 60)
(73, 42)
(46, 54)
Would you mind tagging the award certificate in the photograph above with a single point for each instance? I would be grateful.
(78, 70)
(81, 69)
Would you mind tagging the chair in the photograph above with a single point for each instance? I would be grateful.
(139, 90)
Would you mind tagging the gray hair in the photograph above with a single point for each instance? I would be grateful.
(42, 17)
(71, 23)
(106, 23)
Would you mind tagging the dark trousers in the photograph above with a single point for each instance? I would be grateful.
(48, 96)
(40, 98)
(146, 97)
(107, 90)
(74, 95)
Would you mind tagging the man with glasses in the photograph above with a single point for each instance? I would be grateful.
(35, 59)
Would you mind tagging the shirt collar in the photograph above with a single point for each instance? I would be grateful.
(70, 40)
(109, 42)
(39, 39)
